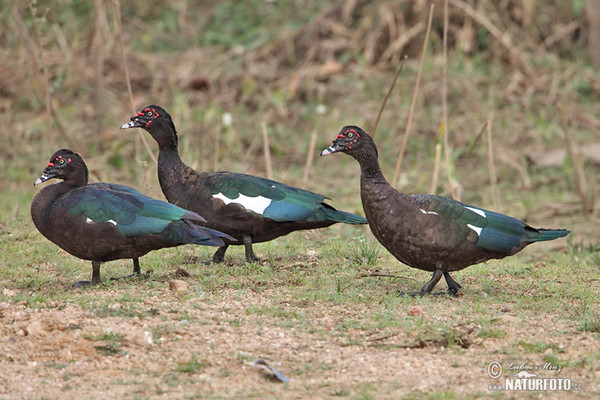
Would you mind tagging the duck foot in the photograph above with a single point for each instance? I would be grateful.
(95, 276)
(82, 284)
(453, 286)
(136, 271)
(250, 256)
(421, 294)
(218, 256)
(134, 275)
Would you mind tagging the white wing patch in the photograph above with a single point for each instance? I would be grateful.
(476, 229)
(428, 212)
(257, 204)
(91, 221)
(477, 211)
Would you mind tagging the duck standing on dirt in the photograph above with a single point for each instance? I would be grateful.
(429, 232)
(103, 221)
(249, 208)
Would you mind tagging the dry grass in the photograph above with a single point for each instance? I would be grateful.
(342, 58)
(289, 78)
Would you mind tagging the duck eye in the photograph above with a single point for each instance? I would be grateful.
(149, 113)
(60, 161)
(350, 134)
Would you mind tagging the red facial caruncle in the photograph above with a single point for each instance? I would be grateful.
(147, 110)
(347, 134)
(58, 160)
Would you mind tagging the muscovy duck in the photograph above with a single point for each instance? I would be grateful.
(103, 222)
(249, 208)
(429, 232)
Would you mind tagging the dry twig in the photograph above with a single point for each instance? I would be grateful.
(310, 154)
(387, 96)
(267, 149)
(436, 168)
(379, 274)
(588, 208)
(413, 101)
(491, 165)
(502, 37)
(39, 64)
(141, 134)
(452, 184)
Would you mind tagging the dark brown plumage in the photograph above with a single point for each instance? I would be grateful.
(428, 232)
(104, 222)
(249, 208)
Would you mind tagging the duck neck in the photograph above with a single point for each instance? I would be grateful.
(169, 160)
(42, 202)
(369, 168)
(167, 143)
(165, 135)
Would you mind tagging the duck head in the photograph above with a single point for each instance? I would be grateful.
(146, 116)
(158, 123)
(66, 165)
(351, 140)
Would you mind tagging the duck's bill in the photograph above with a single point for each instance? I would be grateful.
(131, 124)
(43, 179)
(334, 148)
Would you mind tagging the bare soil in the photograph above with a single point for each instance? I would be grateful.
(55, 352)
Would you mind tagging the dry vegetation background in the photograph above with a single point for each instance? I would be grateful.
(298, 68)
(233, 74)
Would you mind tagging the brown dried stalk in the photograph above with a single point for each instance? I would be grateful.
(502, 37)
(387, 96)
(141, 134)
(588, 208)
(436, 168)
(310, 154)
(38, 64)
(378, 274)
(267, 149)
(492, 166)
(452, 184)
(414, 100)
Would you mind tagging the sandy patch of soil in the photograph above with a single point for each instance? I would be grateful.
(198, 348)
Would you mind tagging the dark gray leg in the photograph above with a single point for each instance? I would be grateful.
(453, 286)
(96, 272)
(435, 278)
(95, 276)
(426, 289)
(136, 266)
(136, 271)
(250, 256)
(220, 254)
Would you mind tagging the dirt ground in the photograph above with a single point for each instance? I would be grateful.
(55, 352)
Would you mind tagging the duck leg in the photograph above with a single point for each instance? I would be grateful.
(136, 271)
(435, 278)
(453, 286)
(250, 256)
(220, 254)
(95, 276)
(426, 289)
(136, 267)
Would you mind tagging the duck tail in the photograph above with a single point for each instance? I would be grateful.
(331, 214)
(540, 235)
(187, 232)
